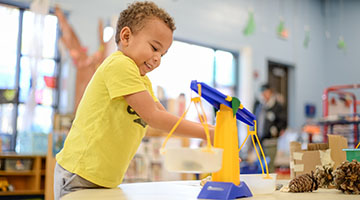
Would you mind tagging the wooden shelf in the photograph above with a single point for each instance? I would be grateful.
(22, 192)
(27, 182)
(17, 173)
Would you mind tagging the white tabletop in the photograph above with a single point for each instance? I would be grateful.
(189, 190)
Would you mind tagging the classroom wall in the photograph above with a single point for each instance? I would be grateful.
(220, 24)
(342, 66)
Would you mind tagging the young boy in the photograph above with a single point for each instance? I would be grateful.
(118, 104)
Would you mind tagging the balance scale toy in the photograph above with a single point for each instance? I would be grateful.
(225, 183)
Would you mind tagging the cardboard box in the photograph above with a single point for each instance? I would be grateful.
(305, 161)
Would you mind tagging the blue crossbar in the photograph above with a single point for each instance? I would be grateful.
(215, 98)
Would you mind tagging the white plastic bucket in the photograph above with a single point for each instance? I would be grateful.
(258, 184)
(186, 160)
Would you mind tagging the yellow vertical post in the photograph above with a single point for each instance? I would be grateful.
(226, 137)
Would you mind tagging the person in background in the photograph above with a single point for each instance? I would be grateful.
(119, 104)
(271, 121)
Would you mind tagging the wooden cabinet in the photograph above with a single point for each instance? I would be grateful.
(26, 179)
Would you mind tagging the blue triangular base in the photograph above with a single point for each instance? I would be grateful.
(224, 190)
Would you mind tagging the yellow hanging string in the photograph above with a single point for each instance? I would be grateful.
(202, 119)
(257, 153)
(173, 129)
(357, 145)
(262, 152)
(247, 136)
(254, 134)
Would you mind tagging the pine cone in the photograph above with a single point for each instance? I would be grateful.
(324, 176)
(347, 177)
(303, 183)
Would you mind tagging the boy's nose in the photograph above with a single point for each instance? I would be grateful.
(157, 59)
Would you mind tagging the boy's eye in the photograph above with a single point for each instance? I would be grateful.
(154, 48)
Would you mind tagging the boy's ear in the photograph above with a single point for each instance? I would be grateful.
(125, 34)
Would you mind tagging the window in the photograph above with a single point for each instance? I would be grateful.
(185, 62)
(16, 79)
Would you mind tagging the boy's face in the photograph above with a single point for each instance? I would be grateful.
(148, 45)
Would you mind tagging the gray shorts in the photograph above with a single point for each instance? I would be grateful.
(66, 182)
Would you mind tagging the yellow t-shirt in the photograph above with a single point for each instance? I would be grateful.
(106, 131)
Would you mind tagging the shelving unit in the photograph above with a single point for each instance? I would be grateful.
(351, 119)
(24, 182)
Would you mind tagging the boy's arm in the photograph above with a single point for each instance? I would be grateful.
(160, 106)
(156, 116)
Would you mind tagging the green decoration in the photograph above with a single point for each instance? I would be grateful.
(282, 32)
(9, 94)
(235, 103)
(280, 27)
(307, 39)
(341, 43)
(250, 27)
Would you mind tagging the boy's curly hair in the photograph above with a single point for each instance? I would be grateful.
(136, 15)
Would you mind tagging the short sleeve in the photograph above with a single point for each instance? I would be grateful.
(122, 77)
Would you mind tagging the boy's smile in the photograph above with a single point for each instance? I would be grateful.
(147, 45)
